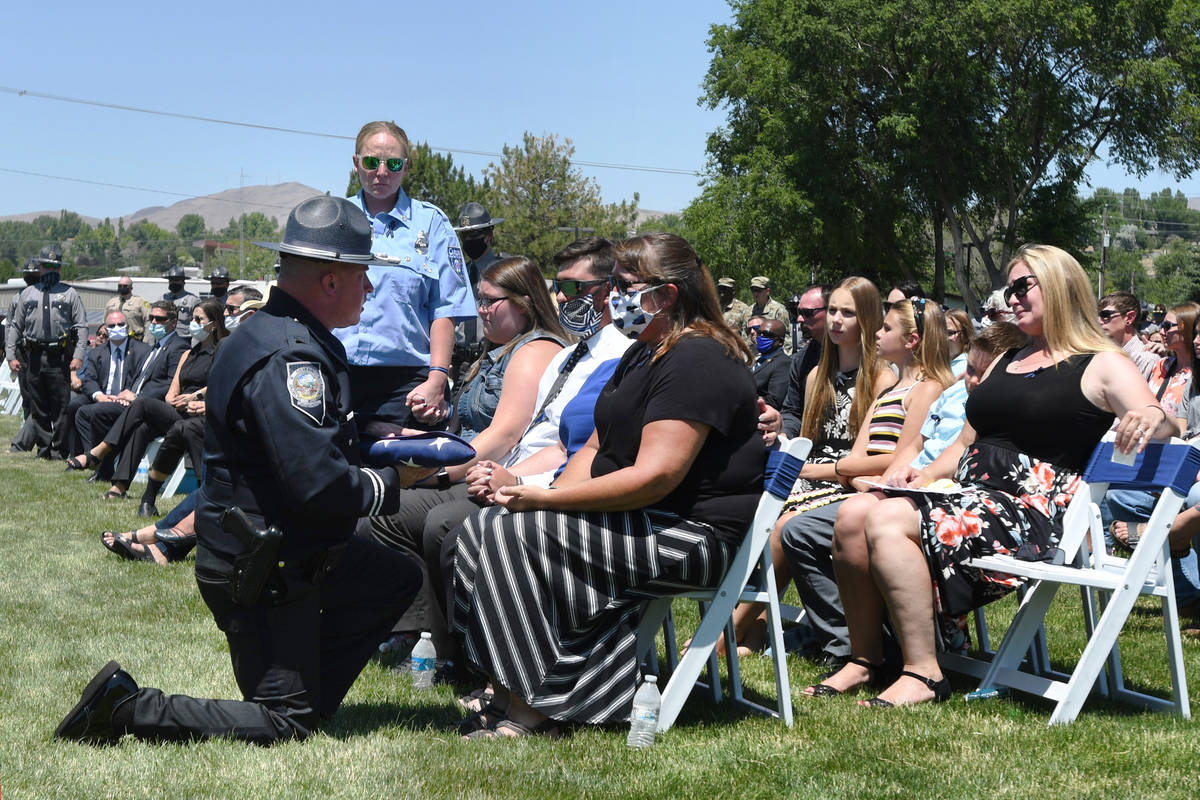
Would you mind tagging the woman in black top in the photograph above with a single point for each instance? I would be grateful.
(547, 599)
(149, 417)
(1031, 426)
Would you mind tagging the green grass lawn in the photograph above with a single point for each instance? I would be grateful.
(67, 606)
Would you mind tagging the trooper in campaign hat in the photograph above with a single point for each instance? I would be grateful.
(31, 271)
(183, 300)
(281, 455)
(218, 281)
(475, 228)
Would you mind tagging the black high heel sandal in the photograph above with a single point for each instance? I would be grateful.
(89, 462)
(941, 692)
(825, 690)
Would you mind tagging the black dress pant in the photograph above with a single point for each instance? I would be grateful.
(49, 387)
(294, 657)
(185, 436)
(144, 420)
(74, 441)
(92, 423)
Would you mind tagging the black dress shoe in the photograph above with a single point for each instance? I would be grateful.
(148, 510)
(91, 718)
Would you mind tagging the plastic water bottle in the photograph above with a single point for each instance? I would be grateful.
(423, 656)
(643, 721)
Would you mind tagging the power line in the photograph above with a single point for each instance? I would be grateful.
(320, 134)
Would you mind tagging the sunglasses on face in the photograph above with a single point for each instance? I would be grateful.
(1020, 287)
(371, 163)
(753, 329)
(114, 326)
(625, 287)
(809, 313)
(1108, 314)
(573, 288)
(1167, 325)
(233, 311)
(159, 319)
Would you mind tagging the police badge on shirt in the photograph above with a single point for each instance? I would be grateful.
(306, 388)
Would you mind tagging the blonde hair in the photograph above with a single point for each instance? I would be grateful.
(820, 404)
(932, 354)
(381, 126)
(1070, 320)
(965, 325)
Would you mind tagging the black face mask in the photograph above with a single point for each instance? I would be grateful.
(31, 278)
(48, 280)
(124, 291)
(219, 291)
(474, 248)
(174, 288)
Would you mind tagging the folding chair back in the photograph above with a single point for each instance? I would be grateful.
(717, 604)
(1112, 586)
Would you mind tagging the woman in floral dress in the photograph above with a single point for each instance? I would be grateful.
(1031, 426)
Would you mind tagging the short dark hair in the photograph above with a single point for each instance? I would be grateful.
(248, 292)
(909, 289)
(1123, 302)
(999, 338)
(599, 250)
(824, 288)
(167, 306)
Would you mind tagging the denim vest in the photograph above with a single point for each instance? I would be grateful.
(478, 401)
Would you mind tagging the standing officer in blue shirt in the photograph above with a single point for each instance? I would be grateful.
(400, 350)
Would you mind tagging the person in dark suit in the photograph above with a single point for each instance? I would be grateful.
(110, 368)
(771, 366)
(152, 379)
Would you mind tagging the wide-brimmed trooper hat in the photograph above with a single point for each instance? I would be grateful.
(328, 229)
(50, 254)
(474, 217)
(218, 273)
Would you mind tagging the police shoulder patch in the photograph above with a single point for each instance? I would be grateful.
(306, 388)
(456, 262)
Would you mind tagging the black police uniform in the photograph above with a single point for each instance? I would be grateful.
(50, 322)
(280, 444)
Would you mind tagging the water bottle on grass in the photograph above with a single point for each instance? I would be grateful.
(423, 656)
(643, 721)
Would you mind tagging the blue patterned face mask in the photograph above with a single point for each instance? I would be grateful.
(579, 316)
(627, 314)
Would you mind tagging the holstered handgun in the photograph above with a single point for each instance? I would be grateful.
(252, 568)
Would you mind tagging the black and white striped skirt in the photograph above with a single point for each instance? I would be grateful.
(548, 602)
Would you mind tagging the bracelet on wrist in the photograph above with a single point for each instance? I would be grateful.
(836, 471)
(444, 370)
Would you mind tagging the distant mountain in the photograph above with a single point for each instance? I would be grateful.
(276, 200)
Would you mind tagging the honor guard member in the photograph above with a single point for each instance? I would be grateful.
(135, 307)
(49, 319)
(768, 308)
(736, 313)
(475, 230)
(184, 300)
(23, 442)
(400, 352)
(303, 603)
(218, 282)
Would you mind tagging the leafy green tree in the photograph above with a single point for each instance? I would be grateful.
(891, 119)
(537, 191)
(190, 228)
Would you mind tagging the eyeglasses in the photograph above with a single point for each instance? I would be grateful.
(1020, 287)
(809, 313)
(1109, 313)
(485, 303)
(371, 163)
(573, 288)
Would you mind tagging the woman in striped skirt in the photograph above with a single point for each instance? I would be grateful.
(547, 588)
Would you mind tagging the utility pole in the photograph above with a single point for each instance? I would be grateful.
(1103, 252)
(241, 224)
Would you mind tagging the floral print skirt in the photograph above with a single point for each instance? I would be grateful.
(1009, 498)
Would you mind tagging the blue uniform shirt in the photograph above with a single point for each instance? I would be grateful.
(428, 282)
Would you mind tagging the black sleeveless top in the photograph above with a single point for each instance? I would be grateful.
(1043, 413)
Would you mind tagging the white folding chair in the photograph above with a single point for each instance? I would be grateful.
(717, 604)
(1111, 583)
(10, 390)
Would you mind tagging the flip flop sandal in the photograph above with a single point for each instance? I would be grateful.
(550, 728)
(476, 701)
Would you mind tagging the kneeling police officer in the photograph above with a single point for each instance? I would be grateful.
(303, 604)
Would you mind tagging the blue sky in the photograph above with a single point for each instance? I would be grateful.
(621, 79)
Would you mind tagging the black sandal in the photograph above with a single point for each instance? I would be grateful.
(124, 548)
(941, 692)
(550, 728)
(477, 700)
(113, 494)
(89, 461)
(485, 719)
(825, 690)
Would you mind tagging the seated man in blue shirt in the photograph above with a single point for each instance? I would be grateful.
(399, 352)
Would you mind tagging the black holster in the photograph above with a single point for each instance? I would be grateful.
(252, 568)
